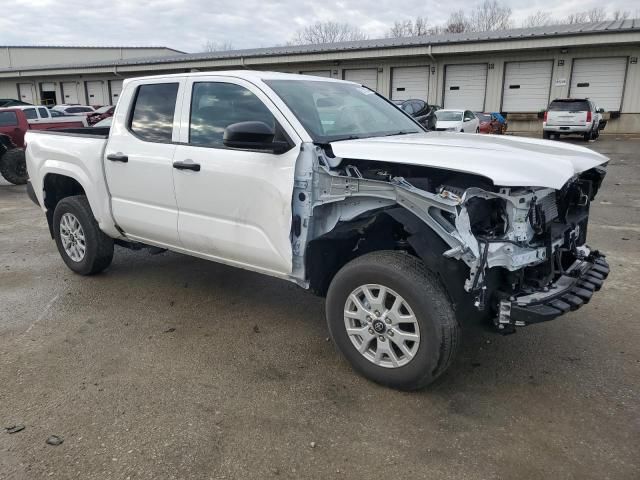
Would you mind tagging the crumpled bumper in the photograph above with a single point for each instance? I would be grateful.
(569, 292)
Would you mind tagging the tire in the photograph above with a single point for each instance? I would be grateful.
(546, 135)
(587, 136)
(98, 247)
(437, 329)
(13, 166)
(478, 130)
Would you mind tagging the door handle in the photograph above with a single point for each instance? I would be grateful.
(187, 166)
(117, 157)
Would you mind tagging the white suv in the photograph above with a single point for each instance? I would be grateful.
(572, 116)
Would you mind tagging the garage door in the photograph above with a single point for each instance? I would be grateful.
(364, 76)
(95, 93)
(318, 73)
(465, 86)
(115, 87)
(599, 79)
(26, 92)
(526, 86)
(70, 92)
(410, 82)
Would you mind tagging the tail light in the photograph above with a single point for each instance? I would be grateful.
(545, 116)
(588, 116)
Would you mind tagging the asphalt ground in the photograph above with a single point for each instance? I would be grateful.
(171, 367)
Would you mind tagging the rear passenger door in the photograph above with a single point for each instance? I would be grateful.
(138, 161)
(235, 207)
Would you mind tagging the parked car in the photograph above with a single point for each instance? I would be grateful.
(573, 116)
(48, 118)
(14, 123)
(11, 102)
(405, 232)
(99, 114)
(421, 111)
(493, 123)
(449, 120)
(74, 109)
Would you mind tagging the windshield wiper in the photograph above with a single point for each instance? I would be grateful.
(401, 132)
(350, 137)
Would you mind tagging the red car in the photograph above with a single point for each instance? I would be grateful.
(14, 123)
(100, 114)
(490, 124)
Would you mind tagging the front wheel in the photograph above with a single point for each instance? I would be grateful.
(82, 245)
(392, 319)
(478, 130)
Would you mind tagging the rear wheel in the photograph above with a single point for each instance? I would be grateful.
(546, 135)
(82, 245)
(13, 166)
(391, 318)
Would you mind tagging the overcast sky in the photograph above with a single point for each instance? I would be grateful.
(188, 24)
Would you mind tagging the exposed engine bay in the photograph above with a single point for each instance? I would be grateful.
(515, 242)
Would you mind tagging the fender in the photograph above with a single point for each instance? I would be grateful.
(93, 188)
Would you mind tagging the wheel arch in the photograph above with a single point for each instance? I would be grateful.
(55, 187)
(390, 228)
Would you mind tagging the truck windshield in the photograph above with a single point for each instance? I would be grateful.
(333, 111)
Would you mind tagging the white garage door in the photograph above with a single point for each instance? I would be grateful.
(465, 86)
(26, 92)
(116, 90)
(95, 93)
(318, 73)
(70, 92)
(364, 76)
(409, 83)
(599, 79)
(526, 86)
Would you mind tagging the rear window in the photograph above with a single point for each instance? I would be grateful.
(569, 106)
(30, 113)
(8, 119)
(152, 117)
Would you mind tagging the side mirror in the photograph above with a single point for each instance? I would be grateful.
(253, 136)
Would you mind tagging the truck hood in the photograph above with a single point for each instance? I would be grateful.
(507, 161)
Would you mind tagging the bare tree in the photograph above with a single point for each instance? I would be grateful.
(327, 32)
(410, 28)
(538, 19)
(457, 23)
(620, 15)
(490, 15)
(211, 46)
(597, 14)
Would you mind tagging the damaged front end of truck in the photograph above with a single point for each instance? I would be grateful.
(517, 255)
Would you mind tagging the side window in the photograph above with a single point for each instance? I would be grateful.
(30, 113)
(8, 119)
(44, 113)
(408, 108)
(418, 106)
(216, 105)
(152, 116)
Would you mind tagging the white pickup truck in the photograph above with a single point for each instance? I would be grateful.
(327, 184)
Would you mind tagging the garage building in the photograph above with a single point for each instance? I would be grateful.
(516, 72)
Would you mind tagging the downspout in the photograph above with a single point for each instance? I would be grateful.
(433, 65)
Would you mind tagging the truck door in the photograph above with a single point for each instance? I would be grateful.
(234, 204)
(138, 161)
